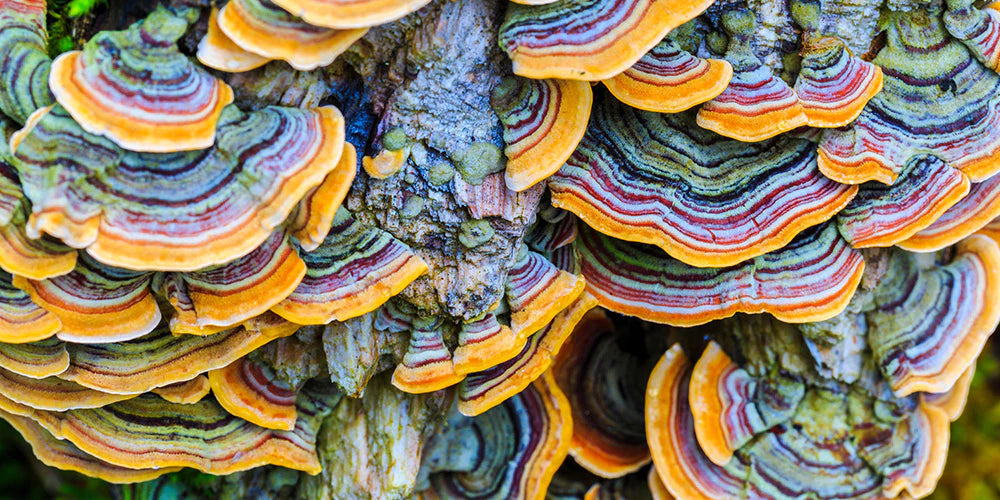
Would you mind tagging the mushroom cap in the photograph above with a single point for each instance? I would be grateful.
(912, 115)
(490, 466)
(603, 383)
(965, 217)
(483, 344)
(223, 296)
(483, 390)
(706, 200)
(730, 406)
(881, 215)
(21, 319)
(588, 39)
(218, 51)
(250, 390)
(263, 28)
(917, 355)
(97, 303)
(186, 392)
(543, 121)
(311, 222)
(53, 393)
(178, 211)
(545, 237)
(35, 359)
(152, 99)
(537, 291)
(682, 466)
(427, 365)
(833, 86)
(756, 105)
(354, 271)
(811, 279)
(157, 359)
(979, 30)
(64, 455)
(668, 79)
(24, 59)
(346, 14)
(385, 164)
(952, 402)
(149, 432)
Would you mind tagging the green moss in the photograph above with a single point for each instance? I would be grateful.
(440, 174)
(478, 161)
(395, 139)
(475, 232)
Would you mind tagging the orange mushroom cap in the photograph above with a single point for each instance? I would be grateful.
(52, 393)
(833, 85)
(346, 14)
(263, 28)
(250, 390)
(312, 221)
(977, 28)
(36, 359)
(537, 291)
(912, 115)
(597, 39)
(97, 303)
(490, 465)
(668, 79)
(64, 455)
(881, 216)
(483, 344)
(811, 279)
(968, 215)
(178, 105)
(543, 121)
(917, 355)
(483, 390)
(757, 104)
(186, 392)
(218, 51)
(21, 319)
(178, 211)
(427, 365)
(157, 359)
(354, 271)
(598, 377)
(659, 179)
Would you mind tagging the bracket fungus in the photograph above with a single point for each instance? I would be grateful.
(913, 115)
(261, 27)
(136, 88)
(218, 51)
(177, 211)
(511, 451)
(668, 79)
(811, 279)
(24, 63)
(706, 200)
(756, 104)
(348, 14)
(250, 390)
(603, 383)
(596, 40)
(543, 121)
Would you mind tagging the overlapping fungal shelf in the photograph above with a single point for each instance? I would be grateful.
(735, 266)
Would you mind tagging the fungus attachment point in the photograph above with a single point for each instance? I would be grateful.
(668, 79)
(537, 291)
(136, 88)
(427, 365)
(483, 344)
